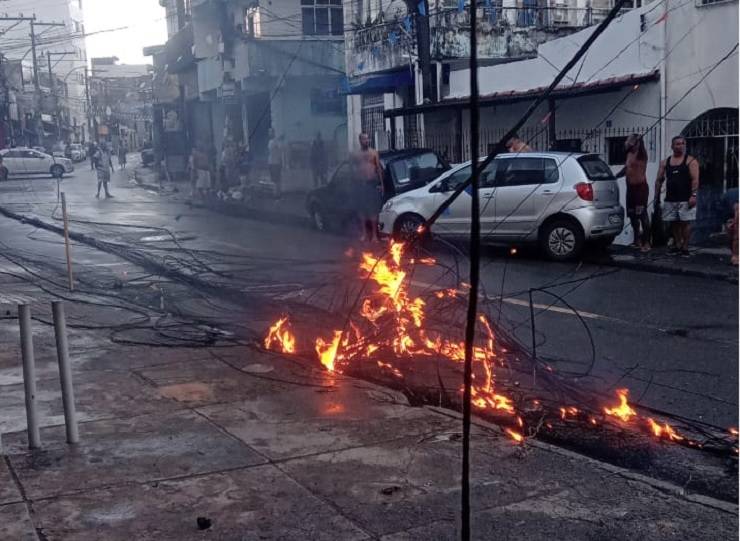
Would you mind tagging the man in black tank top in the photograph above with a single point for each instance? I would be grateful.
(680, 172)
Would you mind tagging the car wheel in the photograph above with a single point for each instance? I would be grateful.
(407, 227)
(562, 240)
(318, 219)
(57, 171)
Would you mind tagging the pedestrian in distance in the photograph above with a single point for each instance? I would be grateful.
(634, 171)
(202, 163)
(104, 167)
(91, 150)
(122, 151)
(276, 161)
(3, 171)
(319, 161)
(516, 144)
(369, 191)
(680, 172)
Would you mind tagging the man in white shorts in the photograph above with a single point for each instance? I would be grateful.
(681, 175)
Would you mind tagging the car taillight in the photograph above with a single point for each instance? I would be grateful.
(585, 191)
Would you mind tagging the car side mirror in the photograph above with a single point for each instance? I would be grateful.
(441, 186)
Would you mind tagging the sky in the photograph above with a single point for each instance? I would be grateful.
(145, 19)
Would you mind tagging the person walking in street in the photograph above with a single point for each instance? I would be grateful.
(680, 172)
(91, 150)
(104, 168)
(122, 151)
(202, 165)
(369, 194)
(634, 171)
(3, 171)
(276, 160)
(319, 162)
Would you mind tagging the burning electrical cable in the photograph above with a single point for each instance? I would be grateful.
(391, 326)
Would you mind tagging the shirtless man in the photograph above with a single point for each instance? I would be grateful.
(369, 195)
(680, 172)
(634, 170)
(515, 144)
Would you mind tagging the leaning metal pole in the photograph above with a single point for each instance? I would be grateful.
(474, 273)
(65, 372)
(29, 375)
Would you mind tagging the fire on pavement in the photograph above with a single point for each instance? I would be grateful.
(391, 327)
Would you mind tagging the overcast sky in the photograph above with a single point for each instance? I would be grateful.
(145, 19)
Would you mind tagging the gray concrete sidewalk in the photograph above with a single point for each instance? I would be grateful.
(261, 446)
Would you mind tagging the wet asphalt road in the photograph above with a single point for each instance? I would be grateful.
(672, 340)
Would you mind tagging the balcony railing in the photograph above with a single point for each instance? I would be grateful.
(536, 17)
(390, 45)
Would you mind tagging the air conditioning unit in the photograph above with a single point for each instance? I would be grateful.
(561, 14)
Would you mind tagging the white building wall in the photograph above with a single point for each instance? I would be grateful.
(698, 37)
(70, 13)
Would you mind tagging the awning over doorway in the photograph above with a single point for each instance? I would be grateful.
(377, 83)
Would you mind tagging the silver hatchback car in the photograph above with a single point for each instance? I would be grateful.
(557, 199)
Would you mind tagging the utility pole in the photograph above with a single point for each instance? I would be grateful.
(52, 85)
(34, 24)
(423, 46)
(36, 84)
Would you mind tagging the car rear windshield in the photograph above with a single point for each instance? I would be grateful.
(423, 167)
(595, 168)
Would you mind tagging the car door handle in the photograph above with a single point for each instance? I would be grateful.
(488, 196)
(547, 192)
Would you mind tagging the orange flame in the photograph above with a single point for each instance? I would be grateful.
(665, 431)
(280, 338)
(624, 411)
(327, 352)
(516, 436)
(565, 412)
(391, 302)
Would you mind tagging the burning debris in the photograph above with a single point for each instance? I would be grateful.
(390, 328)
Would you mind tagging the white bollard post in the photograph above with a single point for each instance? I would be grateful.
(65, 372)
(29, 375)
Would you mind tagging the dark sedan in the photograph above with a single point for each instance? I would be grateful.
(333, 206)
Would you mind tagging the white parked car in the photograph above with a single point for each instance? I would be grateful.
(556, 199)
(77, 152)
(27, 161)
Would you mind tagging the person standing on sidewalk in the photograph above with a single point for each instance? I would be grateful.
(680, 172)
(634, 170)
(369, 194)
(104, 167)
(276, 160)
(318, 161)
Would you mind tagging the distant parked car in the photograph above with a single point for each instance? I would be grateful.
(27, 161)
(333, 206)
(556, 199)
(77, 152)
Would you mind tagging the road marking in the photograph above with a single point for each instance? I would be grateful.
(548, 308)
(8, 298)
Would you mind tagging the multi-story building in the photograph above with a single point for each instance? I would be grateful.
(67, 60)
(245, 68)
(404, 54)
